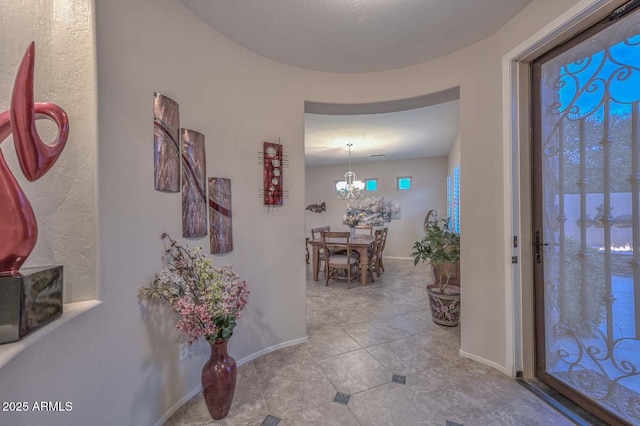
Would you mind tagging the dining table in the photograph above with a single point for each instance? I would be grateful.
(359, 242)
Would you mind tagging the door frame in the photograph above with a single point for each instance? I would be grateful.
(516, 156)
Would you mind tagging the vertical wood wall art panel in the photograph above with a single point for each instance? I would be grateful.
(272, 184)
(194, 195)
(166, 128)
(221, 234)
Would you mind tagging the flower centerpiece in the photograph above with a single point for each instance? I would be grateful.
(353, 217)
(208, 300)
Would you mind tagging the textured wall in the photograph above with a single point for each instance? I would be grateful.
(64, 199)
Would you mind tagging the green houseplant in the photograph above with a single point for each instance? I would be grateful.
(440, 247)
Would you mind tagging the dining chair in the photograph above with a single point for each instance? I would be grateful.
(364, 228)
(373, 260)
(335, 262)
(385, 231)
(316, 233)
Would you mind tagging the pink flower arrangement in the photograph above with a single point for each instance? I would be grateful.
(208, 299)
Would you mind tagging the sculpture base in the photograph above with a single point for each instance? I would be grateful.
(28, 301)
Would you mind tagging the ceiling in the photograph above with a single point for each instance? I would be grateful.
(352, 36)
(421, 132)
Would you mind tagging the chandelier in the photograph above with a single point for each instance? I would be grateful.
(349, 188)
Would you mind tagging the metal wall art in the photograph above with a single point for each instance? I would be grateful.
(273, 162)
(317, 208)
(272, 182)
(194, 195)
(18, 227)
(166, 146)
(221, 234)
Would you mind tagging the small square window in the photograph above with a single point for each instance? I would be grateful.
(371, 184)
(404, 183)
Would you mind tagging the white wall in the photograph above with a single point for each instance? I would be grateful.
(429, 182)
(118, 364)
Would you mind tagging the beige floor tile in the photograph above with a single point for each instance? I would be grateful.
(414, 354)
(330, 341)
(391, 320)
(410, 324)
(300, 386)
(283, 358)
(349, 314)
(317, 321)
(389, 405)
(369, 333)
(331, 414)
(354, 372)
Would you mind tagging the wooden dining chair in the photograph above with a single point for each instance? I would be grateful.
(364, 229)
(335, 261)
(316, 233)
(373, 260)
(385, 231)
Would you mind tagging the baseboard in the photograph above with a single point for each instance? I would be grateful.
(272, 349)
(240, 362)
(174, 407)
(491, 364)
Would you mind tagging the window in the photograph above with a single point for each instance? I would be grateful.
(404, 183)
(456, 199)
(371, 184)
(449, 196)
(453, 198)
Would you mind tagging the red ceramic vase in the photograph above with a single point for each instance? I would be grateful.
(219, 375)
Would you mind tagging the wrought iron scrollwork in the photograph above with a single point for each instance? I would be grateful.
(596, 366)
(596, 74)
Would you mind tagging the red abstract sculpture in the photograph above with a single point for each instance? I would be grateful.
(18, 227)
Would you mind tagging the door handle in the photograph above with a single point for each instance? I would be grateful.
(536, 246)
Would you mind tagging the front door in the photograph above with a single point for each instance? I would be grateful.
(586, 174)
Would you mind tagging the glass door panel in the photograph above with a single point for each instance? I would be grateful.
(587, 218)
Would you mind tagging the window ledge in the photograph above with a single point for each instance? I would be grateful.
(69, 311)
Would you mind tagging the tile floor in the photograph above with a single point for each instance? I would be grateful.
(374, 357)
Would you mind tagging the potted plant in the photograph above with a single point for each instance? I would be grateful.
(440, 247)
(208, 301)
